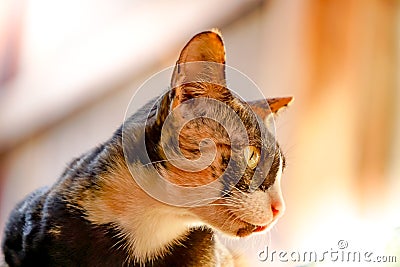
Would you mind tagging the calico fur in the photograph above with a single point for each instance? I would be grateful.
(97, 215)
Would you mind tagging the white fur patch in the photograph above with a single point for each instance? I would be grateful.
(155, 231)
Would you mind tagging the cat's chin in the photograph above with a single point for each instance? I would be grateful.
(246, 230)
(240, 228)
(235, 227)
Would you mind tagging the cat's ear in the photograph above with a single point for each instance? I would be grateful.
(264, 107)
(204, 46)
(200, 69)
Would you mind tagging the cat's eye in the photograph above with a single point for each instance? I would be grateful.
(252, 156)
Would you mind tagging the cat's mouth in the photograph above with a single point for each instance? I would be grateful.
(260, 228)
(250, 228)
(245, 228)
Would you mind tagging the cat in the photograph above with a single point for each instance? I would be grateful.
(98, 214)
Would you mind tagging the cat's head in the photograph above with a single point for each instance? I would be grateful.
(205, 138)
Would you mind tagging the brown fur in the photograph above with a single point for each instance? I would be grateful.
(97, 213)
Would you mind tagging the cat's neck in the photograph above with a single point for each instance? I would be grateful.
(136, 215)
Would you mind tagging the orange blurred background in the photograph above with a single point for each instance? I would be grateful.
(69, 68)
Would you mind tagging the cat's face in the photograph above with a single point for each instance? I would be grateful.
(225, 140)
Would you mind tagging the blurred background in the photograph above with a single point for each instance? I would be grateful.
(69, 68)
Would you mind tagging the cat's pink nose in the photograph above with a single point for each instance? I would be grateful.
(277, 210)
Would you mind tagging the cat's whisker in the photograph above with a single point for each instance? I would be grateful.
(197, 202)
(231, 215)
(202, 200)
(237, 195)
(235, 219)
(234, 201)
(220, 204)
(164, 160)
